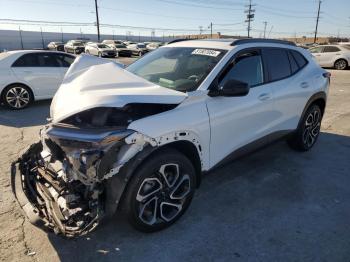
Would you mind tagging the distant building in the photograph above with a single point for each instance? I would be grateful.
(319, 40)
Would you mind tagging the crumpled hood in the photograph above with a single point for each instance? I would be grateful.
(95, 82)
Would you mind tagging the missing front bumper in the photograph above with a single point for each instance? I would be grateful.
(69, 208)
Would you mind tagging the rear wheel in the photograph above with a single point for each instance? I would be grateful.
(308, 131)
(341, 64)
(160, 191)
(17, 96)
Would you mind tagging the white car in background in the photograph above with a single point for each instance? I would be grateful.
(138, 49)
(31, 75)
(337, 56)
(101, 50)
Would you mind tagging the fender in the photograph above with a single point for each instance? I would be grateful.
(319, 95)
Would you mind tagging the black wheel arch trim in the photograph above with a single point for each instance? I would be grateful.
(317, 96)
(116, 186)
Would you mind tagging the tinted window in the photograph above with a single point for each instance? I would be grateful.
(65, 60)
(299, 58)
(27, 60)
(277, 63)
(47, 60)
(246, 68)
(329, 49)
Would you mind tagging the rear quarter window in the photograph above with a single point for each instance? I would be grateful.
(299, 58)
(277, 63)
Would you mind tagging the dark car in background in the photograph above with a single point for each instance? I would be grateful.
(56, 46)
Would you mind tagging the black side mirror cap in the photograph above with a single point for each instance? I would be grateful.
(231, 87)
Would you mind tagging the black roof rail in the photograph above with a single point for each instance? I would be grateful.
(179, 40)
(261, 40)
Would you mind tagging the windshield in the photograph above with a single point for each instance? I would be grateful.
(141, 46)
(179, 68)
(102, 46)
(120, 46)
(77, 44)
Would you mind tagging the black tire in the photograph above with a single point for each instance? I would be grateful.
(340, 64)
(150, 212)
(308, 130)
(17, 96)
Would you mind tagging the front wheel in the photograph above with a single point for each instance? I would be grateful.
(308, 131)
(341, 64)
(160, 191)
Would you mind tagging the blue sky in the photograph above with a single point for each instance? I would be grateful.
(284, 17)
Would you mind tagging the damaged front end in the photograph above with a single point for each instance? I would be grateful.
(59, 181)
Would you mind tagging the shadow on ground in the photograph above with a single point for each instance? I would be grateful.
(35, 115)
(273, 205)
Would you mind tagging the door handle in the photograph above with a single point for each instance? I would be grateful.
(264, 96)
(304, 85)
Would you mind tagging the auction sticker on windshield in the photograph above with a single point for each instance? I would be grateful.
(207, 52)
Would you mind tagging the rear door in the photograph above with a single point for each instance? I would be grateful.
(291, 87)
(40, 71)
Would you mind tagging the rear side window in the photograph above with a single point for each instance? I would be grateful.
(299, 58)
(47, 60)
(293, 64)
(330, 49)
(27, 60)
(277, 63)
(64, 60)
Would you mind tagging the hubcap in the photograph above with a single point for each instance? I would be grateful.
(17, 97)
(311, 128)
(161, 198)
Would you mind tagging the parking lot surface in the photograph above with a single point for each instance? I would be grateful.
(273, 205)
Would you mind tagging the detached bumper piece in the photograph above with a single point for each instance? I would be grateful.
(69, 208)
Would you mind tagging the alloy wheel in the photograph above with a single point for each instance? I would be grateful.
(17, 97)
(311, 128)
(340, 64)
(161, 197)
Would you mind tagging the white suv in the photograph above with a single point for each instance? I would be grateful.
(337, 56)
(139, 139)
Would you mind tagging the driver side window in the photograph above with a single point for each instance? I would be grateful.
(248, 68)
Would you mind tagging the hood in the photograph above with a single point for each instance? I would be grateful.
(105, 84)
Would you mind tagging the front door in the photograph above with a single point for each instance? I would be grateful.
(237, 121)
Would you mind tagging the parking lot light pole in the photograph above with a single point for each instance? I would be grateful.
(97, 22)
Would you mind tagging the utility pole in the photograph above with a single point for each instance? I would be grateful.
(20, 35)
(97, 22)
(42, 38)
(200, 30)
(211, 30)
(250, 15)
(265, 24)
(318, 18)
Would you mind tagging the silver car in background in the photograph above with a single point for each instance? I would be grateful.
(100, 50)
(337, 56)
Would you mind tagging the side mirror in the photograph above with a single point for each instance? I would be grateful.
(231, 87)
